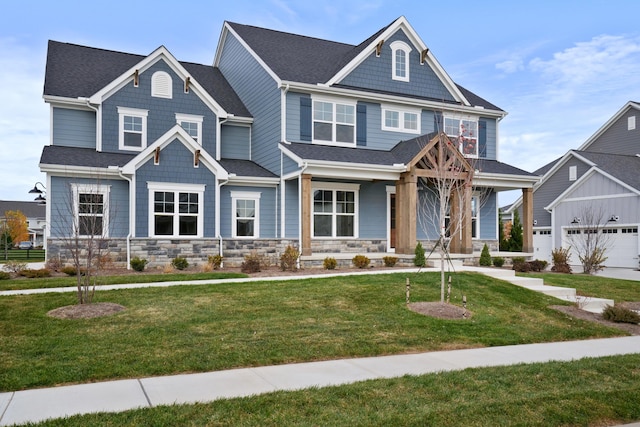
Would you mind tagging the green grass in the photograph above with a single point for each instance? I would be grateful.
(594, 286)
(212, 327)
(604, 391)
(61, 282)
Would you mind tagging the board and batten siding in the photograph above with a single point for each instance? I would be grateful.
(261, 95)
(267, 208)
(73, 128)
(235, 142)
(618, 138)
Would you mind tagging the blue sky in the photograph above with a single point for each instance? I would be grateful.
(560, 69)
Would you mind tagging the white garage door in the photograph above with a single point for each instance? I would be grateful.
(622, 249)
(542, 244)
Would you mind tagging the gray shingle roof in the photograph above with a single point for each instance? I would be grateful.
(74, 71)
(245, 168)
(29, 209)
(89, 157)
(626, 168)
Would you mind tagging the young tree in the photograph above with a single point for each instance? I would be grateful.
(17, 226)
(588, 239)
(515, 241)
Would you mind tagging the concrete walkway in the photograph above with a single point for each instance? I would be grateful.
(115, 396)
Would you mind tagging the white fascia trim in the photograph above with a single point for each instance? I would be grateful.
(252, 180)
(394, 99)
(608, 124)
(402, 23)
(172, 186)
(346, 186)
(227, 29)
(504, 181)
(78, 171)
(148, 62)
(68, 103)
(347, 172)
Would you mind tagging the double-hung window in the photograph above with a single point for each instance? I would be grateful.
(192, 125)
(245, 214)
(335, 210)
(400, 120)
(465, 131)
(91, 210)
(400, 61)
(334, 122)
(175, 210)
(132, 129)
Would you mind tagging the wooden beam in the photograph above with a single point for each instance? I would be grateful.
(306, 214)
(527, 220)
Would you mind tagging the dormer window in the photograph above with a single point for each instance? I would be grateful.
(161, 86)
(400, 61)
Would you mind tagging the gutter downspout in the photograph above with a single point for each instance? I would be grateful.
(131, 215)
(218, 213)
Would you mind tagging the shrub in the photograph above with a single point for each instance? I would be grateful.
(329, 263)
(215, 261)
(485, 258)
(138, 264)
(70, 270)
(360, 261)
(4, 275)
(518, 259)
(390, 261)
(538, 265)
(289, 259)
(560, 257)
(54, 264)
(180, 263)
(15, 266)
(32, 274)
(419, 260)
(252, 263)
(498, 261)
(593, 261)
(522, 267)
(620, 314)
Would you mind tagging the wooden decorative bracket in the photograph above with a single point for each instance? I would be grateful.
(136, 78)
(156, 156)
(379, 47)
(423, 55)
(196, 158)
(187, 83)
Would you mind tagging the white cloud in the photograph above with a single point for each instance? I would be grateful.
(511, 65)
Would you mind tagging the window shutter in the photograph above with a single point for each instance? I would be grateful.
(438, 126)
(361, 125)
(305, 119)
(482, 138)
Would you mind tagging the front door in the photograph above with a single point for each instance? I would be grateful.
(392, 222)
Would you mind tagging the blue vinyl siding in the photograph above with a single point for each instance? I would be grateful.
(268, 204)
(375, 73)
(176, 166)
(292, 216)
(289, 166)
(162, 111)
(235, 142)
(490, 133)
(373, 210)
(488, 215)
(73, 128)
(306, 123)
(60, 198)
(261, 95)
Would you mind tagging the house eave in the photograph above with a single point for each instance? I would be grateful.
(253, 180)
(504, 182)
(79, 171)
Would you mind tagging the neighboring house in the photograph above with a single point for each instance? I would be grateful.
(285, 139)
(602, 176)
(35, 213)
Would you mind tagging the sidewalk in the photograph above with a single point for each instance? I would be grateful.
(115, 396)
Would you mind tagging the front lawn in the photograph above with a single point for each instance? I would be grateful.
(186, 329)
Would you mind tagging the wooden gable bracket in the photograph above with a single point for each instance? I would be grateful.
(156, 156)
(187, 83)
(379, 47)
(423, 56)
(136, 78)
(196, 158)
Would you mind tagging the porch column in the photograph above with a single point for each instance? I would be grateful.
(454, 204)
(406, 199)
(306, 214)
(467, 242)
(527, 220)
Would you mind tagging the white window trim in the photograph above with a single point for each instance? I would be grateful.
(333, 101)
(192, 119)
(337, 186)
(134, 112)
(573, 173)
(245, 195)
(155, 92)
(477, 217)
(76, 190)
(395, 46)
(461, 118)
(169, 187)
(631, 123)
(401, 121)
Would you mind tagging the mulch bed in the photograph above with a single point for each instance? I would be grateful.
(440, 310)
(574, 311)
(86, 311)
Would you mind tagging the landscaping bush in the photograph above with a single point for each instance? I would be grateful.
(215, 261)
(520, 265)
(33, 274)
(15, 266)
(252, 263)
(289, 259)
(560, 257)
(360, 261)
(498, 261)
(518, 259)
(4, 275)
(419, 260)
(70, 270)
(138, 264)
(616, 313)
(538, 265)
(329, 263)
(485, 257)
(180, 263)
(390, 261)
(54, 264)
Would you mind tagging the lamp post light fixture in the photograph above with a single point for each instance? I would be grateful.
(35, 190)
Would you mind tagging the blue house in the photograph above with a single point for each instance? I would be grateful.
(284, 140)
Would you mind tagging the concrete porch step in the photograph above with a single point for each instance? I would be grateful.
(455, 264)
(593, 305)
(554, 291)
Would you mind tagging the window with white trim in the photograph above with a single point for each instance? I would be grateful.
(400, 120)
(335, 210)
(573, 173)
(465, 131)
(400, 60)
(475, 219)
(631, 123)
(132, 126)
(245, 214)
(191, 124)
(161, 85)
(334, 122)
(91, 214)
(176, 210)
